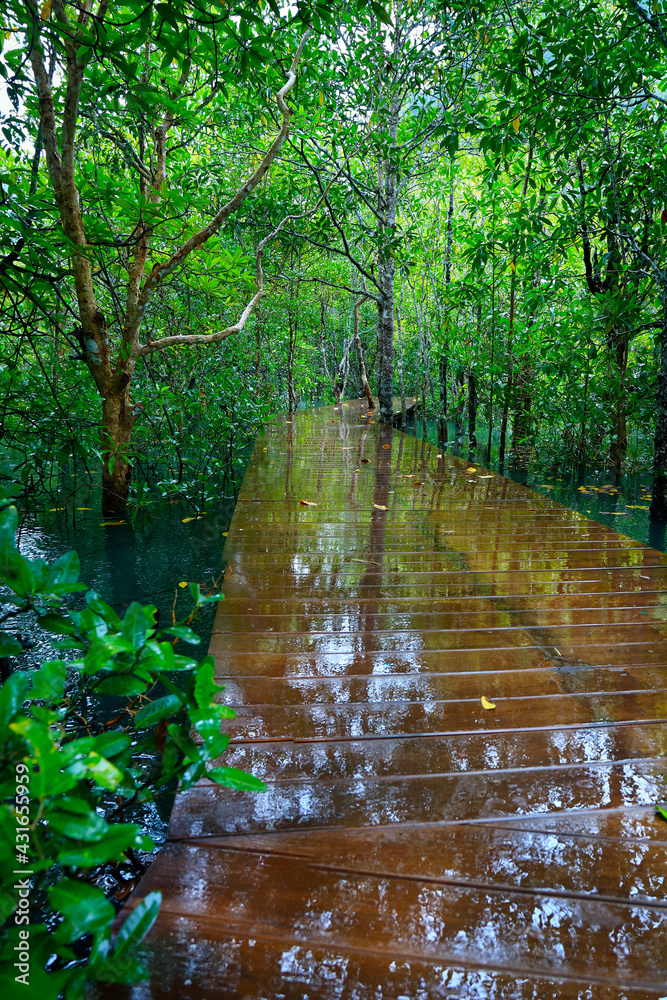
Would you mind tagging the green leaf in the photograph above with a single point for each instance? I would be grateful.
(110, 744)
(49, 681)
(90, 828)
(12, 695)
(57, 624)
(232, 777)
(84, 907)
(135, 625)
(103, 771)
(9, 646)
(122, 684)
(205, 686)
(183, 632)
(66, 569)
(161, 708)
(101, 608)
(381, 13)
(138, 924)
(111, 848)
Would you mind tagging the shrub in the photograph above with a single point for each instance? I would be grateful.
(86, 744)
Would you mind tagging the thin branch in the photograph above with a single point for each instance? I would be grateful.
(161, 271)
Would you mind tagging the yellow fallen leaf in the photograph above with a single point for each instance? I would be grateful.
(102, 525)
(357, 470)
(379, 506)
(225, 533)
(183, 583)
(471, 468)
(308, 503)
(486, 703)
(386, 446)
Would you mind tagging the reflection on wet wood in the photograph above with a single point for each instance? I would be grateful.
(412, 844)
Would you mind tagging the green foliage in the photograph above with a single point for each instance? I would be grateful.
(70, 774)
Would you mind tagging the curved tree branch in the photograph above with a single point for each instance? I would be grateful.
(161, 271)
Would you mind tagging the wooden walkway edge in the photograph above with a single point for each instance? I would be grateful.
(413, 844)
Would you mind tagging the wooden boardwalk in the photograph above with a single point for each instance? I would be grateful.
(413, 844)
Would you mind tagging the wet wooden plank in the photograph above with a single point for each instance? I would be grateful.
(483, 926)
(412, 844)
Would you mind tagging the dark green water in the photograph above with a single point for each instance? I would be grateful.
(123, 564)
(143, 564)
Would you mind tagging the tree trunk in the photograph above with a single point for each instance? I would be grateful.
(521, 423)
(258, 354)
(459, 386)
(360, 354)
(386, 343)
(117, 424)
(659, 503)
(442, 367)
(291, 391)
(508, 386)
(401, 382)
(386, 270)
(618, 343)
(443, 399)
(472, 416)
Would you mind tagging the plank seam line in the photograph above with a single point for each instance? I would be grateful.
(246, 929)
(496, 887)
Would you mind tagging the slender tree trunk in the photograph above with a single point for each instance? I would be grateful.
(619, 350)
(401, 382)
(442, 369)
(293, 398)
(508, 386)
(323, 335)
(493, 334)
(258, 353)
(659, 503)
(459, 387)
(521, 423)
(472, 416)
(582, 441)
(360, 354)
(386, 343)
(386, 275)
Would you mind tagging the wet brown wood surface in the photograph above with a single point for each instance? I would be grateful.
(413, 844)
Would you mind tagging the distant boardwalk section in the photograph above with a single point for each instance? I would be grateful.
(456, 691)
